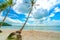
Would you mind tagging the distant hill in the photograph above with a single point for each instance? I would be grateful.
(5, 24)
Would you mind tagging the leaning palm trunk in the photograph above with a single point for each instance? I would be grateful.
(19, 36)
(32, 2)
(3, 6)
(26, 20)
(4, 18)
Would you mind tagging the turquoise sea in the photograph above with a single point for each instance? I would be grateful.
(39, 28)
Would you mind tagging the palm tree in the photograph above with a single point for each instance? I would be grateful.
(32, 2)
(19, 37)
(3, 6)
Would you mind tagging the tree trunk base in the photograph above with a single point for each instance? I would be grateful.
(19, 37)
(0, 31)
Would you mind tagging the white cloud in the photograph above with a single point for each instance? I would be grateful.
(52, 23)
(57, 9)
(11, 21)
(33, 21)
(40, 13)
(36, 22)
(51, 15)
(45, 4)
(20, 6)
(17, 4)
(1, 18)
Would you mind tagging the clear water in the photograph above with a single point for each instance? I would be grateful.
(45, 28)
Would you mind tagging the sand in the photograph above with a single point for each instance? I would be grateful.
(32, 35)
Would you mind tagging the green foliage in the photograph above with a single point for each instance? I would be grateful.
(5, 24)
(5, 4)
(10, 2)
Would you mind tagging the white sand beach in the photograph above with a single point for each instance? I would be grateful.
(32, 35)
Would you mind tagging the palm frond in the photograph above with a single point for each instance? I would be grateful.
(10, 2)
(5, 4)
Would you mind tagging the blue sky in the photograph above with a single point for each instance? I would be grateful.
(44, 12)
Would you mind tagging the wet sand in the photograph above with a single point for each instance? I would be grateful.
(32, 35)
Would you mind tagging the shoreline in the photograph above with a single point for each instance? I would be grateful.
(32, 30)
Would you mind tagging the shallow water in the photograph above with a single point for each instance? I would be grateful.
(44, 28)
